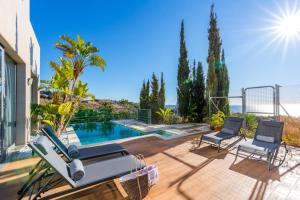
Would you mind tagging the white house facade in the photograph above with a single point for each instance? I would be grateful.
(19, 72)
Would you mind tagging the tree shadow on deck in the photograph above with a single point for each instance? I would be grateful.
(209, 153)
(149, 146)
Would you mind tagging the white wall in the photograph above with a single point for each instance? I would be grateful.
(16, 32)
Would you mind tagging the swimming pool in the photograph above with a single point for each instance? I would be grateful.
(98, 132)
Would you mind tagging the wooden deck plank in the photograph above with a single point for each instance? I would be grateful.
(185, 173)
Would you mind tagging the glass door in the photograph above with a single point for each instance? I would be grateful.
(1, 104)
(9, 102)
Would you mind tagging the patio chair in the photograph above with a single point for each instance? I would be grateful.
(84, 152)
(230, 129)
(266, 142)
(59, 171)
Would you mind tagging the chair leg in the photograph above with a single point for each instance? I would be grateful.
(269, 159)
(200, 141)
(275, 156)
(237, 153)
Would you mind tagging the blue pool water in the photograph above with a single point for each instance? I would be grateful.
(97, 132)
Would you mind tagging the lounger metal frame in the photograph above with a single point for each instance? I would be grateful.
(239, 134)
(52, 178)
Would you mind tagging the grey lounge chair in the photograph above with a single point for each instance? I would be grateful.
(266, 142)
(59, 172)
(230, 129)
(85, 152)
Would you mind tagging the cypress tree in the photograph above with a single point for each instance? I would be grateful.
(226, 82)
(154, 99)
(214, 40)
(161, 94)
(199, 93)
(221, 88)
(193, 99)
(183, 89)
(211, 81)
(143, 96)
(147, 101)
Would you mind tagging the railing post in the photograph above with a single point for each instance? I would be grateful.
(244, 105)
(209, 111)
(277, 101)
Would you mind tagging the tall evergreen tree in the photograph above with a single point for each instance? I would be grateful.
(214, 49)
(154, 99)
(199, 93)
(143, 96)
(214, 39)
(212, 81)
(183, 89)
(148, 98)
(161, 94)
(193, 100)
(225, 84)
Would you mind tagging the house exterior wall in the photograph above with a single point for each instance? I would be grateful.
(18, 39)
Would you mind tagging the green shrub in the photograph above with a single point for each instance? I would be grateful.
(217, 120)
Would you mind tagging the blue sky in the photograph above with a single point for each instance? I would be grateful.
(138, 37)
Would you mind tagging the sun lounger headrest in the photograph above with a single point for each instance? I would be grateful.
(43, 144)
(76, 170)
(232, 125)
(269, 131)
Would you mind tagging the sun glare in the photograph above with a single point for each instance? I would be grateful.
(289, 26)
(283, 26)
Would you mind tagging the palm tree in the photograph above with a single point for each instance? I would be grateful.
(166, 115)
(65, 84)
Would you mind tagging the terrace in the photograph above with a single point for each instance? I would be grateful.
(185, 173)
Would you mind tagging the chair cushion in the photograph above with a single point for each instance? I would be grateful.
(216, 137)
(258, 147)
(227, 131)
(265, 138)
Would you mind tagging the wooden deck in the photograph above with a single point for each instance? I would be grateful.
(186, 173)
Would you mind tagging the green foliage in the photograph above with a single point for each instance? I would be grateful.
(251, 125)
(217, 78)
(212, 80)
(161, 94)
(217, 120)
(145, 96)
(154, 103)
(183, 88)
(65, 85)
(197, 103)
(106, 111)
(166, 115)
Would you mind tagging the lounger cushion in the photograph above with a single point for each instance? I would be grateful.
(109, 169)
(265, 138)
(216, 137)
(227, 131)
(258, 147)
(94, 151)
(270, 129)
(232, 125)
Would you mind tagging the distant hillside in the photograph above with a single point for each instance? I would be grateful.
(118, 106)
